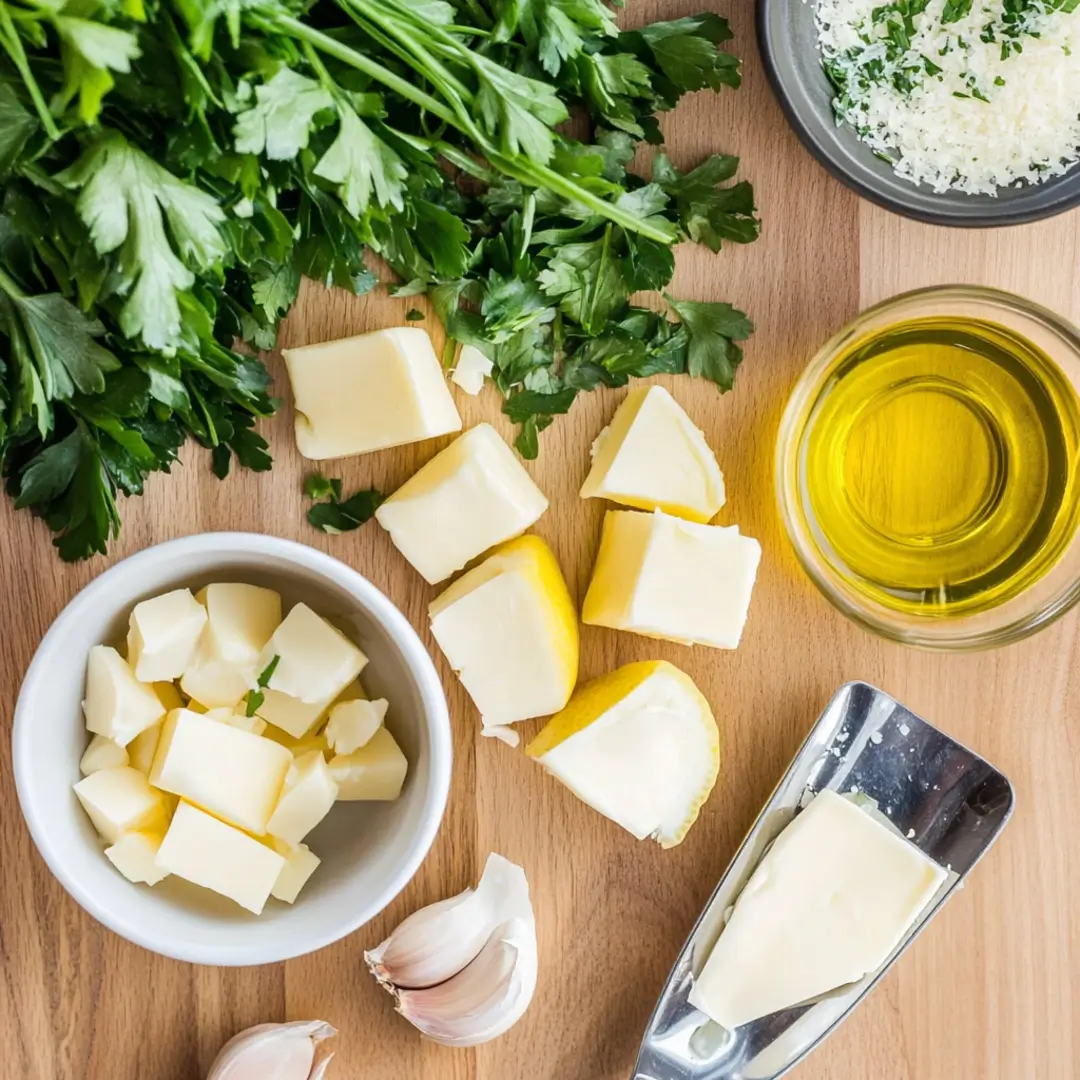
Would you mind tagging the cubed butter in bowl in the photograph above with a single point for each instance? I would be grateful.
(212, 816)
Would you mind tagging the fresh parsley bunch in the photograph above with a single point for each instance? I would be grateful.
(171, 169)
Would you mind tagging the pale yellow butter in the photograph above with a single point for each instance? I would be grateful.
(652, 457)
(120, 800)
(207, 852)
(663, 577)
(468, 498)
(309, 795)
(827, 905)
(231, 773)
(134, 855)
(163, 634)
(102, 753)
(375, 772)
(369, 392)
(117, 705)
(300, 864)
(315, 660)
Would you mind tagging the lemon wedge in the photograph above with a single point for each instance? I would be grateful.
(652, 457)
(510, 631)
(639, 745)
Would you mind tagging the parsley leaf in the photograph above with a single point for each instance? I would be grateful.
(256, 697)
(363, 165)
(279, 121)
(713, 329)
(338, 515)
(125, 199)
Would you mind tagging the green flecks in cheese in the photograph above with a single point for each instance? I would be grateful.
(973, 95)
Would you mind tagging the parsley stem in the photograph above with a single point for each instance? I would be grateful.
(9, 286)
(12, 45)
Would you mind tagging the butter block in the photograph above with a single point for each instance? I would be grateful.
(231, 773)
(468, 498)
(652, 457)
(375, 772)
(352, 724)
(293, 717)
(309, 795)
(163, 634)
(207, 852)
(120, 800)
(143, 747)
(134, 855)
(316, 661)
(509, 629)
(102, 753)
(240, 621)
(827, 904)
(300, 864)
(368, 392)
(663, 577)
(117, 705)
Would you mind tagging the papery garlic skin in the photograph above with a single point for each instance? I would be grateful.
(471, 961)
(436, 942)
(273, 1052)
(485, 999)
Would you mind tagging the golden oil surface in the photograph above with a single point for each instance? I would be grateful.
(940, 465)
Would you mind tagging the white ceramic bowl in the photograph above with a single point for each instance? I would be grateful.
(369, 851)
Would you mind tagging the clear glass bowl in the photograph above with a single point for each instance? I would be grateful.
(1047, 598)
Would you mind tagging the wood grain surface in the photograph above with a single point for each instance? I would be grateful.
(990, 992)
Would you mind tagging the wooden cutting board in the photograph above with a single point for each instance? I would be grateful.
(990, 992)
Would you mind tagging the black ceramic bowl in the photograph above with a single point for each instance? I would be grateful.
(788, 39)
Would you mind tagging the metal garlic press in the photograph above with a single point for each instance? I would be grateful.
(948, 801)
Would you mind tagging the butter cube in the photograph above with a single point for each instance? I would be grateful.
(352, 724)
(309, 794)
(295, 718)
(369, 392)
(663, 577)
(652, 457)
(143, 747)
(241, 720)
(375, 772)
(134, 855)
(207, 852)
(510, 630)
(119, 800)
(163, 634)
(315, 661)
(300, 864)
(468, 498)
(240, 620)
(102, 753)
(231, 773)
(117, 705)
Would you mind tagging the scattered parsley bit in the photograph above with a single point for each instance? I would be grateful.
(338, 515)
(255, 698)
(414, 315)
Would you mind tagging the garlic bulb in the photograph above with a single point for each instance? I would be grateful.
(273, 1052)
(464, 970)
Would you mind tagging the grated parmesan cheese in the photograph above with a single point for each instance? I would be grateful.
(984, 101)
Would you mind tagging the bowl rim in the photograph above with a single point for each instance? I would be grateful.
(437, 718)
(818, 570)
(998, 218)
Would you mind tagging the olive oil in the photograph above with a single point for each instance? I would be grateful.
(940, 465)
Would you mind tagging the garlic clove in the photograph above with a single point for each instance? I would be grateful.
(436, 942)
(320, 1070)
(486, 998)
(502, 732)
(273, 1052)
